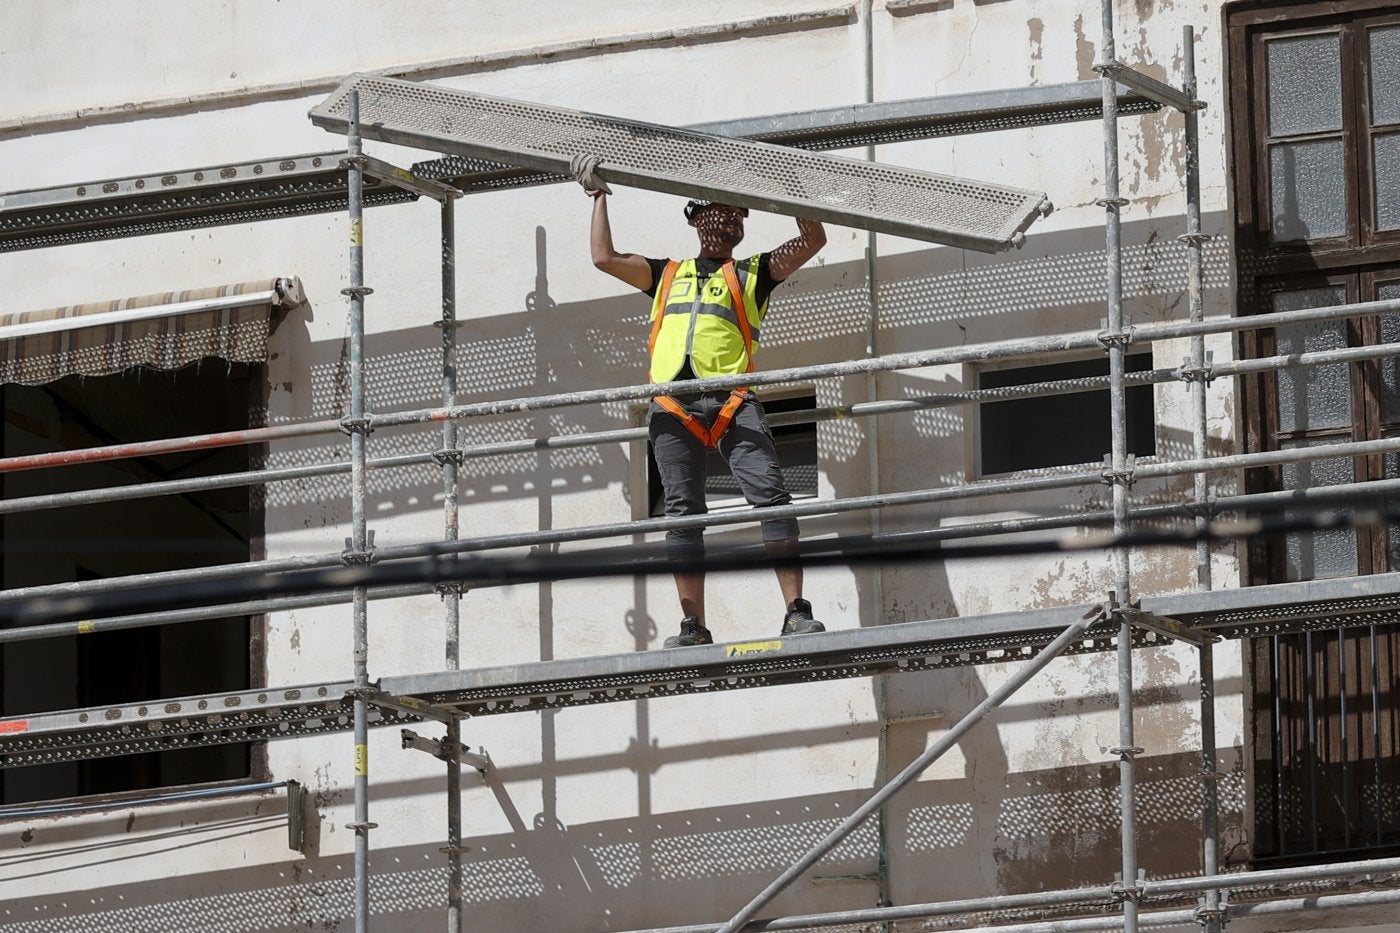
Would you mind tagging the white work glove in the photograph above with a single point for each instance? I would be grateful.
(584, 170)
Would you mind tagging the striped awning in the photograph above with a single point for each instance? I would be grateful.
(162, 331)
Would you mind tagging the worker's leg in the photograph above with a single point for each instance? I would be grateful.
(789, 575)
(680, 461)
(753, 459)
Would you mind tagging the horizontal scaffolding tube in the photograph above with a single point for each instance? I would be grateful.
(1049, 481)
(204, 613)
(1105, 895)
(1288, 907)
(1330, 495)
(37, 811)
(947, 356)
(624, 435)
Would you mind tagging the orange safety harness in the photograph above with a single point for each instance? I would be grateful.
(708, 436)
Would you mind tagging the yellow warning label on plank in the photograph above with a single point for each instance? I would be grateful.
(754, 647)
(362, 759)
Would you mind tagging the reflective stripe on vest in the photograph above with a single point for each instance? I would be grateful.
(705, 321)
(708, 436)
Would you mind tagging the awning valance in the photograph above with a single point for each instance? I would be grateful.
(162, 331)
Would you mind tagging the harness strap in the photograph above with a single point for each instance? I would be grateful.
(663, 289)
(709, 437)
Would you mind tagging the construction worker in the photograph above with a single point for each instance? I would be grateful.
(706, 315)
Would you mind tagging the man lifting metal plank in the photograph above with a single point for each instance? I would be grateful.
(904, 202)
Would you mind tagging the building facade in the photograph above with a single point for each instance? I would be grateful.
(670, 810)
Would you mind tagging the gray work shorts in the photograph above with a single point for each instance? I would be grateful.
(748, 449)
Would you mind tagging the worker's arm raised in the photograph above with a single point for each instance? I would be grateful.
(629, 267)
(788, 258)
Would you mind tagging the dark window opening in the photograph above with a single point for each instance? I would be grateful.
(92, 542)
(797, 459)
(1060, 430)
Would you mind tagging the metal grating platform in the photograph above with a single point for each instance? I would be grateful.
(184, 200)
(258, 715)
(919, 205)
(310, 184)
(868, 124)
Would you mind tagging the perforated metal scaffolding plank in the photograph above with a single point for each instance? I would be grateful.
(310, 184)
(866, 124)
(920, 205)
(242, 192)
(257, 715)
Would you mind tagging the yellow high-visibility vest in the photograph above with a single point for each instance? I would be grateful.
(698, 320)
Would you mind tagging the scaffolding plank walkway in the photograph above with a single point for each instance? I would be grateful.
(920, 205)
(257, 715)
(289, 186)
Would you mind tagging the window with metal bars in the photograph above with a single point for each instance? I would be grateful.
(1315, 105)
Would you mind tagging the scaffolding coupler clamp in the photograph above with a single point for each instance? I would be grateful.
(1134, 892)
(1107, 339)
(367, 692)
(354, 555)
(450, 455)
(1204, 374)
(1219, 915)
(362, 425)
(1194, 239)
(443, 750)
(1112, 477)
(1164, 625)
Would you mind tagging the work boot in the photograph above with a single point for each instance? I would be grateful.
(799, 621)
(692, 633)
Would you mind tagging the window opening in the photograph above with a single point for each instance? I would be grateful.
(91, 542)
(1030, 433)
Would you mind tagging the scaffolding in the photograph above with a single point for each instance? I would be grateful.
(351, 181)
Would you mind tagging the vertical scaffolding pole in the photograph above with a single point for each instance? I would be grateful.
(1118, 474)
(1211, 914)
(872, 455)
(451, 458)
(1193, 239)
(358, 551)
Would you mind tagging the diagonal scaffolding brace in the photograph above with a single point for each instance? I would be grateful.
(916, 767)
